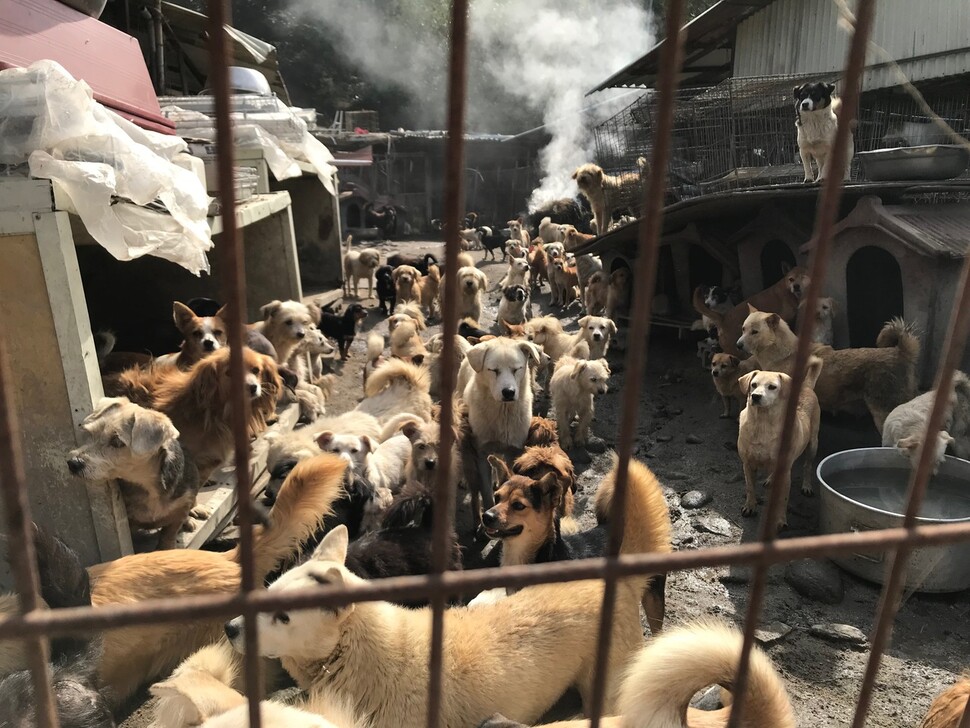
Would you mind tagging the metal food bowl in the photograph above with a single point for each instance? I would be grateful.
(865, 489)
(926, 162)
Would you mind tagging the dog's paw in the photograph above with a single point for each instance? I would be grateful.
(781, 524)
(200, 512)
(499, 721)
(748, 510)
(808, 181)
(808, 490)
(724, 416)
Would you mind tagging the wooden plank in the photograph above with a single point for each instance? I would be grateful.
(26, 196)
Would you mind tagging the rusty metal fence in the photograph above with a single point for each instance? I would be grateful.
(36, 625)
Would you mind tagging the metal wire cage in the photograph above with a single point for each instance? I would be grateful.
(36, 625)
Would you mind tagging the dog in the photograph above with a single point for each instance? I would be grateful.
(198, 401)
(717, 299)
(593, 339)
(285, 324)
(386, 291)
(498, 398)
(517, 233)
(425, 457)
(538, 265)
(586, 266)
(517, 273)
(572, 387)
(80, 698)
(759, 431)
(618, 293)
(525, 518)
(316, 348)
(572, 239)
(597, 292)
(725, 370)
(825, 311)
(360, 265)
(546, 331)
(548, 458)
(607, 192)
(948, 707)
(201, 335)
(817, 112)
(139, 449)
(407, 284)
(397, 386)
(514, 305)
(549, 231)
(493, 241)
(470, 239)
(690, 658)
(518, 669)
(421, 263)
(343, 328)
(471, 283)
(567, 280)
(905, 427)
(430, 288)
(433, 361)
(880, 378)
(781, 298)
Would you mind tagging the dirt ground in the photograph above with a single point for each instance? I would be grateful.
(680, 436)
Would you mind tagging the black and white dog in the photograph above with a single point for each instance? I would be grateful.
(816, 118)
(515, 306)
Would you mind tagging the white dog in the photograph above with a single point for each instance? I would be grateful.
(905, 427)
(515, 304)
(358, 265)
(517, 274)
(546, 331)
(519, 233)
(825, 311)
(573, 385)
(817, 113)
(595, 333)
(471, 283)
(549, 231)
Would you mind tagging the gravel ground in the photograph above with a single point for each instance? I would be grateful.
(680, 436)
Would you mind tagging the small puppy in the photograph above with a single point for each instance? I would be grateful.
(358, 265)
(759, 431)
(825, 311)
(724, 371)
(618, 294)
(386, 291)
(471, 283)
(905, 427)
(817, 112)
(343, 328)
(285, 324)
(140, 450)
(407, 284)
(597, 293)
(517, 274)
(593, 339)
(201, 335)
(514, 306)
(607, 192)
(573, 384)
(538, 265)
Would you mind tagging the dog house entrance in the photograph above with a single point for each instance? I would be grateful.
(874, 293)
(776, 259)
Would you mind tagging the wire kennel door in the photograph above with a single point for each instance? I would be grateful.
(36, 625)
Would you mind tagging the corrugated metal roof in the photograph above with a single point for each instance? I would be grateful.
(940, 230)
(708, 56)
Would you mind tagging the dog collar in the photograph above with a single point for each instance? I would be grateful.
(329, 661)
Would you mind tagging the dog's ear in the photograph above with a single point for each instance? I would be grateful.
(411, 430)
(606, 366)
(182, 315)
(611, 327)
(796, 92)
(289, 378)
(735, 362)
(324, 439)
(476, 357)
(551, 487)
(367, 444)
(744, 383)
(584, 321)
(315, 313)
(150, 430)
(269, 309)
(579, 368)
(785, 382)
(173, 465)
(105, 404)
(830, 87)
(333, 547)
(223, 313)
(785, 267)
(752, 309)
(500, 470)
(909, 443)
(773, 321)
(531, 351)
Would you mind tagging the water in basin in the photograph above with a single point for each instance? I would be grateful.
(947, 498)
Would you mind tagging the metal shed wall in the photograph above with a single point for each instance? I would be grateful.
(789, 37)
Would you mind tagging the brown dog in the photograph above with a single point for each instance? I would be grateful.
(538, 265)
(781, 298)
(607, 192)
(759, 432)
(430, 288)
(597, 293)
(407, 284)
(724, 372)
(618, 294)
(948, 708)
(201, 335)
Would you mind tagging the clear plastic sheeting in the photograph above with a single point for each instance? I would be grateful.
(118, 178)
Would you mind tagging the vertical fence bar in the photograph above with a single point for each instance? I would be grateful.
(645, 274)
(896, 563)
(444, 497)
(828, 212)
(20, 542)
(234, 291)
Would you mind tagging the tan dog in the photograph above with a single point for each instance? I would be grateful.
(407, 284)
(593, 340)
(523, 651)
(430, 290)
(471, 283)
(550, 232)
(546, 331)
(519, 234)
(567, 279)
(201, 335)
(139, 449)
(597, 293)
(423, 465)
(397, 386)
(825, 310)
(607, 192)
(358, 265)
(517, 273)
(618, 294)
(948, 707)
(538, 265)
(725, 370)
(781, 298)
(573, 239)
(759, 432)
(572, 387)
(879, 378)
(465, 260)
(537, 461)
(285, 324)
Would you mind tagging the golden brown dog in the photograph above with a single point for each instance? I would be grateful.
(618, 294)
(607, 192)
(201, 335)
(430, 289)
(725, 372)
(597, 293)
(948, 707)
(471, 283)
(134, 655)
(539, 460)
(574, 239)
(539, 265)
(285, 324)
(781, 298)
(759, 432)
(407, 284)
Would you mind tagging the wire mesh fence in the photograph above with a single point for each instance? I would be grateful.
(733, 141)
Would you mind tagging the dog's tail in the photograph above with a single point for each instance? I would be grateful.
(643, 165)
(663, 678)
(434, 273)
(347, 243)
(397, 370)
(305, 499)
(813, 371)
(410, 510)
(704, 310)
(948, 707)
(375, 348)
(898, 333)
(395, 424)
(646, 519)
